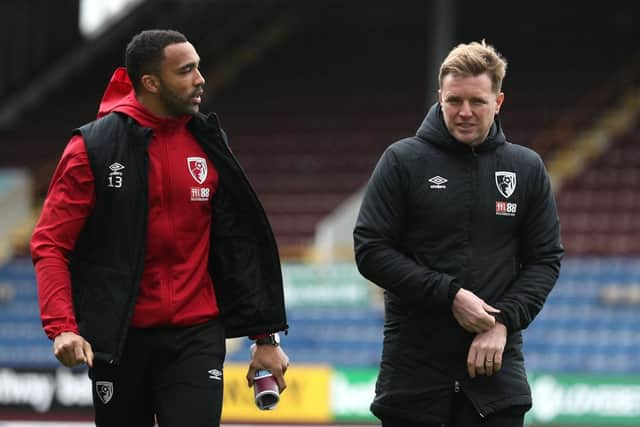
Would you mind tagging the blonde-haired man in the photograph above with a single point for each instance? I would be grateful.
(460, 228)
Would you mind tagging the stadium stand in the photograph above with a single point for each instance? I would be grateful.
(599, 207)
(16, 204)
(310, 107)
(26, 52)
(70, 96)
(22, 341)
(578, 330)
(331, 336)
(311, 121)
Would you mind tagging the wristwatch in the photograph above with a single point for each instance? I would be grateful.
(271, 339)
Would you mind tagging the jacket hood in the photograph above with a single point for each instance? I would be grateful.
(119, 96)
(434, 131)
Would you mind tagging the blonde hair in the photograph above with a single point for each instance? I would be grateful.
(473, 59)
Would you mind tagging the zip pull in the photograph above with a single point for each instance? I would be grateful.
(456, 389)
(473, 151)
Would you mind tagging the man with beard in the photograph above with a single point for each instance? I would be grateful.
(152, 247)
(460, 228)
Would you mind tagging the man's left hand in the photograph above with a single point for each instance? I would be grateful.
(485, 353)
(271, 358)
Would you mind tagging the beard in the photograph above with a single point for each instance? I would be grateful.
(179, 105)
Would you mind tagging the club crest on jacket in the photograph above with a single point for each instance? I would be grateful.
(506, 183)
(197, 168)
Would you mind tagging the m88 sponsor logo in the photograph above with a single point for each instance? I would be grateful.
(506, 209)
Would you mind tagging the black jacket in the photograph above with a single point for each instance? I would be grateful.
(108, 259)
(438, 215)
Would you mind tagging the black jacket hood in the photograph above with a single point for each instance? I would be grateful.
(434, 131)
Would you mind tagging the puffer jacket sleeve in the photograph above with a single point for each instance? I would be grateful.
(378, 241)
(541, 252)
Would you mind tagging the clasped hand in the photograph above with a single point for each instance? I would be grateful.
(475, 315)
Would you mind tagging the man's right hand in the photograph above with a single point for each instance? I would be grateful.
(472, 313)
(71, 350)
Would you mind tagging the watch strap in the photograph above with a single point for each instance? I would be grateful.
(271, 339)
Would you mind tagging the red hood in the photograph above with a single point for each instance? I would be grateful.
(120, 96)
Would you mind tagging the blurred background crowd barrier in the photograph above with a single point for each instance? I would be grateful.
(310, 93)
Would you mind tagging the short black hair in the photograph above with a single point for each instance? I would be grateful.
(145, 51)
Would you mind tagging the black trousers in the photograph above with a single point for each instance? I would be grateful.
(463, 414)
(169, 375)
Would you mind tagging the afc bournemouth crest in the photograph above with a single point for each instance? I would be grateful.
(506, 183)
(104, 390)
(198, 168)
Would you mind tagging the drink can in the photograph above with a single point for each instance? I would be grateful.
(265, 390)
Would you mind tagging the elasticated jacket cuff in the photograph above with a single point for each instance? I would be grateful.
(454, 287)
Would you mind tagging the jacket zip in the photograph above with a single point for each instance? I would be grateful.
(135, 289)
(473, 172)
(457, 388)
